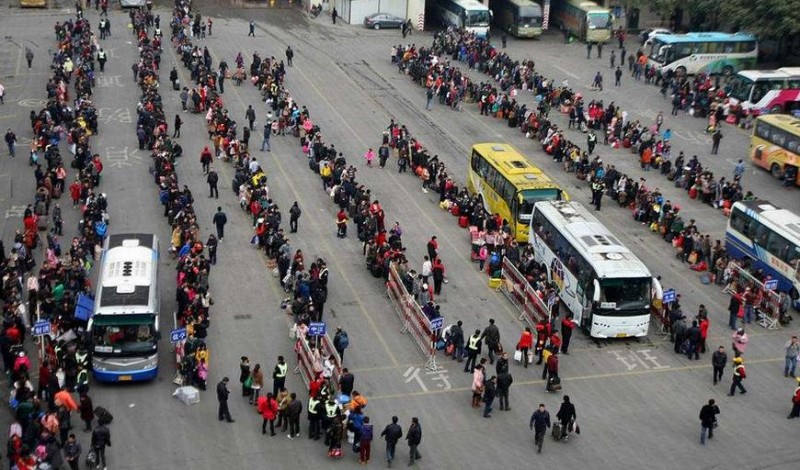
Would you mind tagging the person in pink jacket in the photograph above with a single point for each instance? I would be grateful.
(739, 342)
(477, 386)
(369, 156)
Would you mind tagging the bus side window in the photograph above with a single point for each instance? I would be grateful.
(779, 246)
(730, 47)
(747, 46)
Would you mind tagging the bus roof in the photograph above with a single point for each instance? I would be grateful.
(704, 37)
(783, 122)
(127, 277)
(526, 3)
(607, 255)
(764, 211)
(782, 73)
(514, 166)
(470, 4)
(587, 5)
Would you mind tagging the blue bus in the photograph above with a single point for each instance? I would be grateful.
(769, 237)
(124, 326)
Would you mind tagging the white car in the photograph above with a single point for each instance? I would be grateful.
(648, 35)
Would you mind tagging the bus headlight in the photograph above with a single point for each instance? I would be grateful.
(151, 363)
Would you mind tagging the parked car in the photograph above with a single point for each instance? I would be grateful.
(383, 20)
(648, 34)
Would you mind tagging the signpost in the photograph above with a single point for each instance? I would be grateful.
(669, 296)
(41, 328)
(177, 335)
(437, 323)
(771, 284)
(317, 328)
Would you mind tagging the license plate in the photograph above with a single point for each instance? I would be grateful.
(123, 378)
(622, 335)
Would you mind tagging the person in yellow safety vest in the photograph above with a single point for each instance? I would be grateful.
(279, 375)
(332, 409)
(473, 350)
(316, 410)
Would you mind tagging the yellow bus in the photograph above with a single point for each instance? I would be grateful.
(521, 18)
(508, 185)
(33, 3)
(585, 19)
(775, 146)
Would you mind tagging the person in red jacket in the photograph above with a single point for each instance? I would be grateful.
(205, 159)
(75, 192)
(704, 325)
(555, 341)
(525, 344)
(268, 408)
(567, 325)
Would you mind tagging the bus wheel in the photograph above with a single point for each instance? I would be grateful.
(727, 70)
(775, 169)
(680, 71)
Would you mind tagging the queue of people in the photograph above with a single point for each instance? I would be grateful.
(43, 413)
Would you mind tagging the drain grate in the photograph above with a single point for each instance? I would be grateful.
(243, 316)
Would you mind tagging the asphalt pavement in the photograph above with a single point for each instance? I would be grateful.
(637, 401)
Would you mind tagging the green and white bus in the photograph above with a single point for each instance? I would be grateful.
(586, 20)
(711, 53)
(520, 18)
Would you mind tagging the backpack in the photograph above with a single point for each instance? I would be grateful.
(344, 340)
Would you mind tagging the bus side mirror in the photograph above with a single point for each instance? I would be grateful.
(596, 293)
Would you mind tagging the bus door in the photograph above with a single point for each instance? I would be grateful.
(515, 215)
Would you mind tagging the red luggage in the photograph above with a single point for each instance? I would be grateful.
(463, 221)
(693, 192)
(454, 210)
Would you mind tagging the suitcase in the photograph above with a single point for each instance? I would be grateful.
(463, 221)
(176, 85)
(103, 415)
(454, 210)
(558, 431)
(554, 384)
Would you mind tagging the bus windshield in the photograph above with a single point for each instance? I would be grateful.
(740, 88)
(124, 339)
(659, 51)
(625, 294)
(529, 17)
(478, 18)
(531, 197)
(599, 20)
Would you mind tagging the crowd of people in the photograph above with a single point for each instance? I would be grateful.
(195, 255)
(42, 414)
(432, 68)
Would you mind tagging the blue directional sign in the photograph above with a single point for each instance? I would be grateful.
(669, 296)
(177, 335)
(772, 284)
(41, 328)
(317, 328)
(436, 323)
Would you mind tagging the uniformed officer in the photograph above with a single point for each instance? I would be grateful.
(316, 410)
(332, 409)
(473, 350)
(279, 375)
(101, 59)
(598, 188)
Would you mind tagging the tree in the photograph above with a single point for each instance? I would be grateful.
(764, 18)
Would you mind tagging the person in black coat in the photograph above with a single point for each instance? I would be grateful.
(566, 414)
(489, 393)
(695, 338)
(392, 433)
(733, 311)
(504, 381)
(222, 397)
(708, 418)
(414, 438)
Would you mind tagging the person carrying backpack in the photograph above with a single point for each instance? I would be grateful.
(341, 341)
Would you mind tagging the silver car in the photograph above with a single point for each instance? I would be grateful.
(383, 20)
